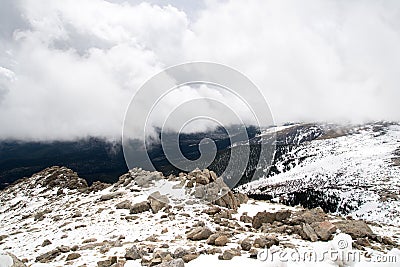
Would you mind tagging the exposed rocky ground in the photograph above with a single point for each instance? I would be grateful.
(145, 219)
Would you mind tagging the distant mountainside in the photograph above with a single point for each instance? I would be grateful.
(347, 170)
(94, 159)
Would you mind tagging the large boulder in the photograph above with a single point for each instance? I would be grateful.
(126, 204)
(356, 229)
(324, 229)
(111, 196)
(134, 253)
(158, 201)
(48, 256)
(199, 233)
(140, 207)
(246, 244)
(309, 233)
(228, 200)
(269, 217)
(309, 216)
(266, 242)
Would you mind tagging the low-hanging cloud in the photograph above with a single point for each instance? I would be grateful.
(68, 69)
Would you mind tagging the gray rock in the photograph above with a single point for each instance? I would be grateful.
(189, 257)
(309, 216)
(158, 201)
(309, 233)
(212, 210)
(172, 263)
(228, 255)
(324, 229)
(48, 256)
(110, 196)
(269, 217)
(202, 179)
(46, 242)
(199, 233)
(228, 200)
(265, 242)
(242, 198)
(140, 207)
(356, 229)
(180, 252)
(246, 244)
(73, 256)
(221, 240)
(134, 253)
(126, 204)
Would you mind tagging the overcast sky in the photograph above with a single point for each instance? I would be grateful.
(68, 69)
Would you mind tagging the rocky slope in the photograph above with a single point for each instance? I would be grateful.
(145, 219)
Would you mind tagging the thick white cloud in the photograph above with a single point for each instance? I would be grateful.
(319, 60)
(69, 69)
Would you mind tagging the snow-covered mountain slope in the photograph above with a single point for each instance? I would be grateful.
(353, 170)
(55, 219)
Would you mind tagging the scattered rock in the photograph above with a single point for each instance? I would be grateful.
(180, 252)
(211, 239)
(61, 177)
(324, 229)
(246, 244)
(266, 242)
(309, 233)
(228, 254)
(199, 233)
(134, 253)
(140, 207)
(253, 253)
(221, 241)
(152, 238)
(126, 204)
(46, 242)
(189, 257)
(356, 229)
(158, 201)
(245, 218)
(48, 256)
(89, 240)
(111, 196)
(77, 214)
(107, 263)
(64, 249)
(242, 198)
(212, 210)
(98, 186)
(39, 216)
(202, 179)
(363, 242)
(388, 241)
(310, 216)
(73, 256)
(228, 200)
(173, 263)
(269, 217)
